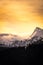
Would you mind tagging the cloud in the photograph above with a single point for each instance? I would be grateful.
(40, 9)
(37, 5)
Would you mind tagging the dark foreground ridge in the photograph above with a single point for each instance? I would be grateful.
(33, 54)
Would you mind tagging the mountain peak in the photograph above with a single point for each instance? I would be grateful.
(37, 32)
(38, 29)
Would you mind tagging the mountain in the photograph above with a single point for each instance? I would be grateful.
(37, 34)
(10, 40)
(22, 52)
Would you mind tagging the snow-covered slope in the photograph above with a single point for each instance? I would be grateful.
(37, 32)
(10, 40)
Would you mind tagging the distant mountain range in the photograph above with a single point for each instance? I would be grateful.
(10, 40)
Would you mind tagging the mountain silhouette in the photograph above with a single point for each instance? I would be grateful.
(22, 52)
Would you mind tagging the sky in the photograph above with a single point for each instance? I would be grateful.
(20, 17)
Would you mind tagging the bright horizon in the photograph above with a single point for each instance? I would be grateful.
(20, 17)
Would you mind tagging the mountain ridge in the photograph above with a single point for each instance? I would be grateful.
(10, 40)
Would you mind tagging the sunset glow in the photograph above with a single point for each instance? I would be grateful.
(20, 16)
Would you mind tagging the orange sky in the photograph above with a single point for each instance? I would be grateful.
(20, 17)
